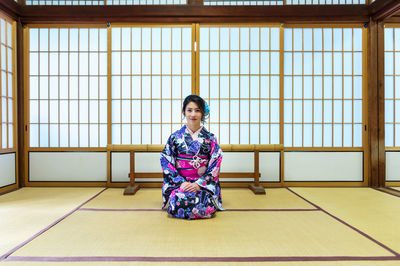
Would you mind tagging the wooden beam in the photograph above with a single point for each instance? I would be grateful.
(11, 8)
(393, 19)
(195, 13)
(195, 2)
(384, 9)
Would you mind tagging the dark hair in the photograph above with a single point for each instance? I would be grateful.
(200, 103)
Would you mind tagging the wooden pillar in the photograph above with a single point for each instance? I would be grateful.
(373, 103)
(381, 104)
(376, 103)
(20, 102)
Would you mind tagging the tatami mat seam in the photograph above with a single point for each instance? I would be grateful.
(229, 210)
(7, 254)
(120, 210)
(350, 226)
(203, 259)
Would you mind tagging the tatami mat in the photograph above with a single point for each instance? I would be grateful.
(277, 234)
(28, 210)
(396, 188)
(276, 198)
(229, 234)
(373, 212)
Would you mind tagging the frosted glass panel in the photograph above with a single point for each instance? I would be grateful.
(317, 79)
(277, 2)
(7, 95)
(235, 79)
(69, 63)
(148, 84)
(392, 89)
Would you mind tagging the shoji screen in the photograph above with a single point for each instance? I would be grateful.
(151, 74)
(8, 142)
(68, 87)
(323, 83)
(281, 2)
(239, 77)
(392, 101)
(392, 87)
(105, 2)
(323, 87)
(7, 102)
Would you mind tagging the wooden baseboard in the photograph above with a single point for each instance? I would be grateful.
(8, 189)
(392, 184)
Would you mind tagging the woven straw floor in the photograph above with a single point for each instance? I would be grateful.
(295, 226)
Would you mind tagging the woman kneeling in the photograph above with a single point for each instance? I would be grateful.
(191, 162)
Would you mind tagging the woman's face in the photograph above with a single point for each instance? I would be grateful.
(193, 115)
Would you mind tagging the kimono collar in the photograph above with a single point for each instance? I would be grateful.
(194, 135)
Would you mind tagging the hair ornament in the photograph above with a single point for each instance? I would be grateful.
(206, 108)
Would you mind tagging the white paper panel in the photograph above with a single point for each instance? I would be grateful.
(7, 169)
(392, 166)
(270, 166)
(323, 166)
(238, 162)
(145, 162)
(68, 166)
(148, 162)
(120, 166)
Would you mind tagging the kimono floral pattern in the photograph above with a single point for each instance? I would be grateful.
(179, 164)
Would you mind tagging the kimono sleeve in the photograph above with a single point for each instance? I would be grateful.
(172, 179)
(210, 179)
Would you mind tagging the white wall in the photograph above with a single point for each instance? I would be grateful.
(392, 166)
(92, 166)
(7, 169)
(68, 166)
(323, 166)
(145, 162)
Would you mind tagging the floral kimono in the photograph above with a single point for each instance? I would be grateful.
(192, 160)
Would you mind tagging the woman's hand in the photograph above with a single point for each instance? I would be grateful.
(189, 187)
(184, 185)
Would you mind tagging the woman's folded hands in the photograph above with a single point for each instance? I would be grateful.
(189, 187)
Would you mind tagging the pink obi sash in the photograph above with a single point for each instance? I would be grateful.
(191, 167)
